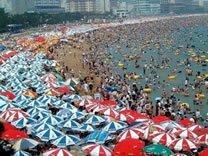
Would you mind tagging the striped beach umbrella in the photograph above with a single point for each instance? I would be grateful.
(203, 139)
(162, 138)
(21, 153)
(78, 115)
(97, 150)
(182, 144)
(41, 115)
(7, 106)
(66, 140)
(115, 126)
(94, 120)
(86, 128)
(67, 106)
(49, 134)
(52, 119)
(186, 134)
(64, 113)
(22, 122)
(109, 112)
(57, 152)
(42, 126)
(24, 144)
(134, 133)
(69, 124)
(36, 109)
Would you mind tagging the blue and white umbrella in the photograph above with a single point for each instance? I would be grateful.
(17, 92)
(170, 125)
(22, 122)
(47, 99)
(67, 106)
(25, 143)
(41, 115)
(66, 140)
(36, 103)
(78, 115)
(86, 128)
(3, 88)
(94, 120)
(115, 126)
(37, 84)
(7, 106)
(52, 119)
(34, 110)
(42, 126)
(21, 98)
(41, 89)
(23, 103)
(2, 97)
(21, 153)
(69, 124)
(73, 97)
(49, 134)
(98, 136)
(64, 113)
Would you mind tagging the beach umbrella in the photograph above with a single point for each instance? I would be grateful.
(159, 119)
(97, 150)
(134, 133)
(204, 152)
(162, 138)
(115, 126)
(178, 154)
(129, 147)
(7, 126)
(175, 130)
(66, 140)
(151, 129)
(22, 122)
(203, 139)
(21, 153)
(85, 102)
(37, 109)
(194, 127)
(41, 115)
(64, 90)
(52, 92)
(182, 144)
(157, 149)
(170, 125)
(186, 123)
(44, 98)
(91, 107)
(86, 128)
(13, 114)
(13, 135)
(67, 106)
(98, 136)
(125, 117)
(21, 98)
(52, 84)
(134, 114)
(42, 126)
(35, 103)
(108, 103)
(52, 119)
(57, 152)
(49, 134)
(64, 113)
(10, 95)
(24, 144)
(109, 112)
(69, 124)
(31, 94)
(78, 115)
(94, 120)
(48, 78)
(186, 134)
(72, 82)
(6, 106)
(75, 97)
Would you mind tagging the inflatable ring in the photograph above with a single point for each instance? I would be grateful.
(120, 65)
(107, 59)
(206, 75)
(147, 90)
(135, 77)
(193, 55)
(206, 60)
(203, 56)
(176, 53)
(199, 77)
(171, 77)
(202, 96)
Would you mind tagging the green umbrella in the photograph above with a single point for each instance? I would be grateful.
(158, 149)
(70, 88)
(59, 77)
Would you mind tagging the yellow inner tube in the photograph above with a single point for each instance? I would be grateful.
(171, 77)
(206, 60)
(120, 65)
(202, 96)
(199, 77)
(184, 105)
(206, 75)
(203, 56)
(147, 90)
(135, 77)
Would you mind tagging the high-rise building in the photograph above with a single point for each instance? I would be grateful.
(16, 6)
(48, 6)
(81, 6)
(102, 6)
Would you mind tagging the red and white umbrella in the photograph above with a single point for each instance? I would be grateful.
(203, 139)
(13, 114)
(195, 127)
(162, 138)
(186, 134)
(151, 129)
(52, 84)
(145, 121)
(91, 107)
(134, 133)
(48, 78)
(85, 102)
(175, 130)
(182, 144)
(97, 150)
(109, 112)
(125, 117)
(57, 152)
